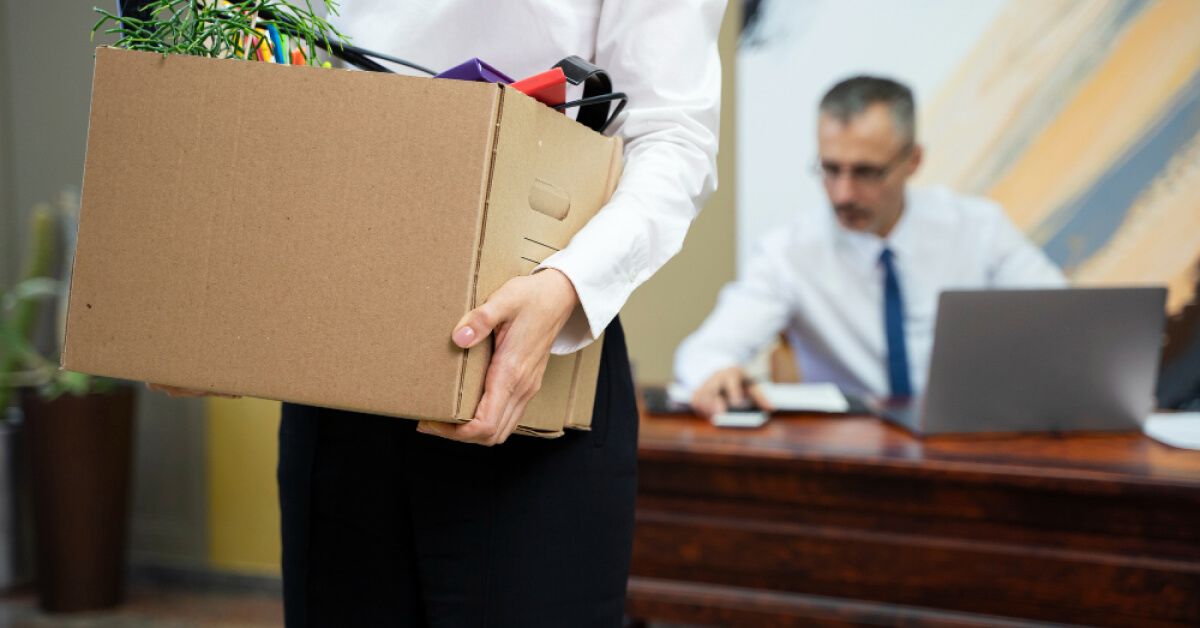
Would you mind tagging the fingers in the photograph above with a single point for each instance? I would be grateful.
(517, 403)
(175, 391)
(483, 429)
(725, 389)
(733, 388)
(711, 399)
(506, 425)
(759, 396)
(508, 390)
(486, 427)
(524, 316)
(706, 398)
(480, 322)
(504, 381)
(515, 419)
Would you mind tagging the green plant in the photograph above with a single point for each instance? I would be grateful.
(219, 29)
(27, 366)
(21, 364)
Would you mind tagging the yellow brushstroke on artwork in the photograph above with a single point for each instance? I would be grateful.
(1153, 59)
(973, 117)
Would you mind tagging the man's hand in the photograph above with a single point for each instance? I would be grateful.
(727, 389)
(525, 314)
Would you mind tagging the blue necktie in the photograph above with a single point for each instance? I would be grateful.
(893, 319)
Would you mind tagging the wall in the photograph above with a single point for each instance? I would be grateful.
(8, 215)
(674, 302)
(243, 516)
(47, 59)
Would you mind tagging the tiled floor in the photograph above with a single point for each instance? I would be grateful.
(149, 606)
(158, 606)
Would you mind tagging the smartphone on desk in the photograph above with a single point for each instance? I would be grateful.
(748, 418)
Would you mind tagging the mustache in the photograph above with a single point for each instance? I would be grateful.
(849, 208)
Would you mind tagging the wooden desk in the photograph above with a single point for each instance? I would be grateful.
(851, 521)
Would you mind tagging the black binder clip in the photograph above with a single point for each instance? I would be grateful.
(595, 106)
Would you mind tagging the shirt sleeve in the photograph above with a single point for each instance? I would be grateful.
(749, 315)
(663, 55)
(1016, 262)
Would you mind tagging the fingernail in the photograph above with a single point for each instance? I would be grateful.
(463, 336)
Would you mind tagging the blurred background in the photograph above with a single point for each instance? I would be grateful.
(1081, 117)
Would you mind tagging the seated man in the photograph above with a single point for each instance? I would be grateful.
(857, 296)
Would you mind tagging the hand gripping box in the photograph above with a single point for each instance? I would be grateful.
(313, 235)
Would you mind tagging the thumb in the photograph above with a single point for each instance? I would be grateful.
(478, 324)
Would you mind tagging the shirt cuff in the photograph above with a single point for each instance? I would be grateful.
(696, 372)
(599, 302)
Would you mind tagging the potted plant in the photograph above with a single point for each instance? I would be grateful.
(14, 476)
(78, 434)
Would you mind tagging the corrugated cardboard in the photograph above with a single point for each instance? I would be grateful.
(313, 235)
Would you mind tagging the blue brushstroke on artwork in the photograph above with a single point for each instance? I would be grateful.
(1131, 9)
(1091, 219)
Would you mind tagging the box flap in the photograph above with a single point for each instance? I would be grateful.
(550, 176)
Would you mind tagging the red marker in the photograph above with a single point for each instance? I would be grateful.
(549, 87)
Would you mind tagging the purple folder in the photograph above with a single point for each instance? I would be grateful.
(475, 70)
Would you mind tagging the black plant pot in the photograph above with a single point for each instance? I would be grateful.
(16, 516)
(80, 453)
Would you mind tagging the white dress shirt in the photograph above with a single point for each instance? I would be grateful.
(662, 54)
(823, 285)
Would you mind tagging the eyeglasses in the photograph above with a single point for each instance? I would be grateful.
(861, 173)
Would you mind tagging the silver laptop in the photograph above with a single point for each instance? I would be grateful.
(1040, 360)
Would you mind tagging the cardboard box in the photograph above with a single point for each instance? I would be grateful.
(313, 235)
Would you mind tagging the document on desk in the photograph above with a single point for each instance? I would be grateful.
(806, 397)
(1178, 429)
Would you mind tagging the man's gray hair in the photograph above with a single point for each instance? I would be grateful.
(852, 96)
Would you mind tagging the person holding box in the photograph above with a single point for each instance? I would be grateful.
(524, 532)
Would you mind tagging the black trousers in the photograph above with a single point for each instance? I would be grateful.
(385, 526)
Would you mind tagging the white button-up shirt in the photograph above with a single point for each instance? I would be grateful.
(662, 54)
(823, 285)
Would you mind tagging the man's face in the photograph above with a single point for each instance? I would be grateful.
(865, 163)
